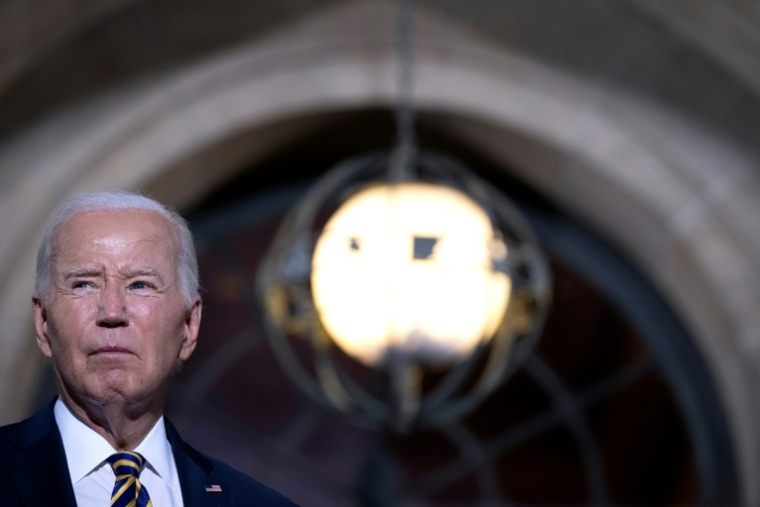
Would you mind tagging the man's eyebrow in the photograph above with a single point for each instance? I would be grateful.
(81, 273)
(144, 272)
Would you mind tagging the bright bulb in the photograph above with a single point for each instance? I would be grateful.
(411, 267)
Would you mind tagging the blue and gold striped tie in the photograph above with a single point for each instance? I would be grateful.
(128, 491)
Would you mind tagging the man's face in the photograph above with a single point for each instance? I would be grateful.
(115, 321)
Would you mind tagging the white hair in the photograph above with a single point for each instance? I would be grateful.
(187, 268)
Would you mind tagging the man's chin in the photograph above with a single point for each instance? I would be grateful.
(119, 392)
(115, 387)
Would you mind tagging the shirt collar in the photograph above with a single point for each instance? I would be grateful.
(86, 450)
(157, 451)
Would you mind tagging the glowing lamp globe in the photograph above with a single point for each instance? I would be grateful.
(410, 267)
(423, 272)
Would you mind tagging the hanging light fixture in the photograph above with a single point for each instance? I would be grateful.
(413, 268)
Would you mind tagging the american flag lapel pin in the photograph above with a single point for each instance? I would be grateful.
(213, 488)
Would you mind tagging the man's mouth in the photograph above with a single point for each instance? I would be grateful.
(111, 350)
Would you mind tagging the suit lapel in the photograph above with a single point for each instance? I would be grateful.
(196, 474)
(39, 470)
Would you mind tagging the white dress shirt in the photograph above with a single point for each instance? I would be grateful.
(93, 478)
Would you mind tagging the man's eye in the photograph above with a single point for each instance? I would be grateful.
(81, 285)
(139, 285)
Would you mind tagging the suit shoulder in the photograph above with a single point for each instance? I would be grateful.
(9, 429)
(249, 486)
(16, 436)
(242, 484)
(8, 436)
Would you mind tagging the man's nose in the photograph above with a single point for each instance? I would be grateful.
(113, 307)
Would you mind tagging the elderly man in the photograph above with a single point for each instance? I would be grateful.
(116, 308)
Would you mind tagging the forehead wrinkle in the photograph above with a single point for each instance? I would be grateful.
(153, 239)
(168, 242)
(68, 247)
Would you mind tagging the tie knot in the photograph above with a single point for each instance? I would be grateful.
(127, 463)
(128, 491)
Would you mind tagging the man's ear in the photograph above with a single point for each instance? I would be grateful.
(192, 325)
(40, 326)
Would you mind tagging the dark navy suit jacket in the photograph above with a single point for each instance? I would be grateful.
(34, 473)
